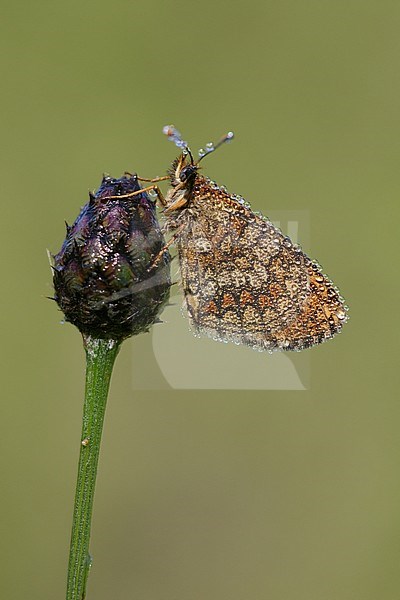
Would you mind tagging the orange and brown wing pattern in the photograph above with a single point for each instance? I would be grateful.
(245, 282)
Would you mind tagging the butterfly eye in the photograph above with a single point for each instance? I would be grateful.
(187, 172)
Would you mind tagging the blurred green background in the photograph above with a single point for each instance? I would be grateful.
(285, 495)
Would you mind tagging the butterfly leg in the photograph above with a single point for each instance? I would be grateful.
(155, 180)
(150, 188)
(160, 195)
(158, 257)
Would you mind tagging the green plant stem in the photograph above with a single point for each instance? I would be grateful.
(100, 358)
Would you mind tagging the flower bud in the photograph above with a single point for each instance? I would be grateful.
(112, 276)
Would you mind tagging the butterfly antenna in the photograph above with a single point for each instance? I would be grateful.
(174, 136)
(210, 147)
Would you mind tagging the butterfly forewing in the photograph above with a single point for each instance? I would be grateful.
(245, 282)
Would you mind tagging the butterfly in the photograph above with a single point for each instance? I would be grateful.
(243, 280)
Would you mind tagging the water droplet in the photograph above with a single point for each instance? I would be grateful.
(168, 130)
(174, 136)
(209, 146)
(202, 152)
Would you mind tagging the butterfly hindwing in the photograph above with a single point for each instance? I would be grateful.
(245, 282)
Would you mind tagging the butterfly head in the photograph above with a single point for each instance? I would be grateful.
(184, 169)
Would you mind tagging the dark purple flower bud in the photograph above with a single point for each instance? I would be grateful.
(112, 274)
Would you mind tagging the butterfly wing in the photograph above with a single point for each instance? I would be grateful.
(245, 282)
